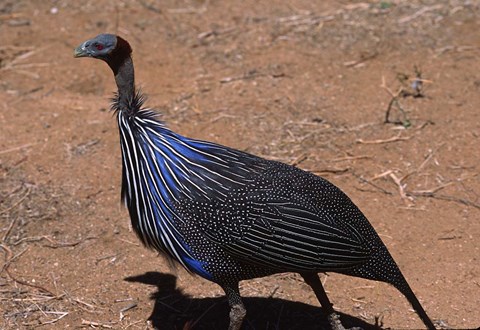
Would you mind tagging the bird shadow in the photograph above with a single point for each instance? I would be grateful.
(175, 310)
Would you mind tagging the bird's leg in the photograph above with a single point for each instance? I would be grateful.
(237, 310)
(313, 280)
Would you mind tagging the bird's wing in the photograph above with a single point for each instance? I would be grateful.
(284, 218)
(291, 235)
(284, 232)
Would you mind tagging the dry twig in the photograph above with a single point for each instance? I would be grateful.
(372, 184)
(28, 145)
(127, 308)
(419, 13)
(408, 195)
(9, 258)
(93, 324)
(54, 244)
(401, 186)
(330, 170)
(9, 229)
(62, 315)
(410, 87)
(389, 140)
(17, 202)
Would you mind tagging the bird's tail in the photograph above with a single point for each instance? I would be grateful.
(382, 267)
(408, 293)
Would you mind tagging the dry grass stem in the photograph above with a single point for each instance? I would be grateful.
(380, 141)
(372, 184)
(127, 308)
(419, 13)
(401, 187)
(350, 158)
(93, 324)
(17, 202)
(25, 146)
(299, 159)
(329, 170)
(54, 244)
(9, 229)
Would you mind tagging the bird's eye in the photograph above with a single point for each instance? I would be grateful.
(99, 46)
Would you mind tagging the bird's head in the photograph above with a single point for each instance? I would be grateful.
(99, 47)
(107, 47)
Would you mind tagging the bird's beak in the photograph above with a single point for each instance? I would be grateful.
(81, 51)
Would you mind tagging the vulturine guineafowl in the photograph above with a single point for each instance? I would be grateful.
(227, 215)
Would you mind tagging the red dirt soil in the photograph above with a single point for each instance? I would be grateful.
(304, 82)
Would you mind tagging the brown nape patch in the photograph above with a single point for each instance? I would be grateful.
(117, 57)
(123, 46)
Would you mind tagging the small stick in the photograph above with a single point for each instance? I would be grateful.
(122, 316)
(38, 307)
(401, 187)
(359, 300)
(28, 284)
(275, 289)
(122, 300)
(365, 287)
(423, 164)
(10, 16)
(32, 75)
(9, 256)
(429, 191)
(17, 148)
(150, 7)
(417, 14)
(24, 56)
(361, 60)
(325, 278)
(16, 203)
(129, 242)
(9, 229)
(299, 159)
(133, 323)
(27, 239)
(330, 170)
(249, 75)
(223, 115)
(83, 303)
(56, 244)
(350, 158)
(25, 66)
(62, 315)
(96, 324)
(129, 307)
(109, 256)
(372, 184)
(389, 91)
(394, 100)
(448, 198)
(392, 139)
(382, 175)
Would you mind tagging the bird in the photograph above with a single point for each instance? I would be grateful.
(227, 215)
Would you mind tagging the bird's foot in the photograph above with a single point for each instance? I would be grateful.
(237, 314)
(336, 324)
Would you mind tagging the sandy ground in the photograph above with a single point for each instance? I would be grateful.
(304, 82)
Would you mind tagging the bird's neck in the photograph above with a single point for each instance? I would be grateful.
(125, 79)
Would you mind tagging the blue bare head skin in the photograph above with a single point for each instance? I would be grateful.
(99, 47)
